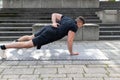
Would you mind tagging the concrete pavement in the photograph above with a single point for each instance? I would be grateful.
(70, 69)
(89, 50)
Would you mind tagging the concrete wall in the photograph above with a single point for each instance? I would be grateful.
(50, 3)
(90, 32)
(118, 16)
(109, 16)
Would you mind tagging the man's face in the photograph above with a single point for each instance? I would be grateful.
(79, 24)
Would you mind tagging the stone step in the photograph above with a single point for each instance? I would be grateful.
(111, 28)
(109, 37)
(25, 21)
(49, 10)
(80, 10)
(41, 17)
(15, 28)
(109, 32)
(40, 13)
(15, 33)
(16, 24)
(109, 24)
(8, 38)
(48, 15)
(42, 21)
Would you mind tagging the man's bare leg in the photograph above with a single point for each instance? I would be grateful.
(27, 44)
(25, 38)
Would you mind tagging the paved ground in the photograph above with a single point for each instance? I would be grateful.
(59, 51)
(68, 69)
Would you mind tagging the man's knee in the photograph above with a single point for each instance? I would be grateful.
(29, 37)
(29, 44)
(32, 36)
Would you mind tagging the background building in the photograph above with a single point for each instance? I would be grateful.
(20, 15)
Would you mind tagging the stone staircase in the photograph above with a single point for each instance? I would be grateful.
(109, 32)
(18, 22)
(12, 31)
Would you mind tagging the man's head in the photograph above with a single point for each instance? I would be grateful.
(80, 21)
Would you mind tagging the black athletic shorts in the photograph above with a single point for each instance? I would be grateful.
(44, 36)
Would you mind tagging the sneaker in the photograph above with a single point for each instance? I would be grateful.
(2, 54)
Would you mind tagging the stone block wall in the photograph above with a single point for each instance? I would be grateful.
(50, 3)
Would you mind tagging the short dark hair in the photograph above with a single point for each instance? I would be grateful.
(81, 18)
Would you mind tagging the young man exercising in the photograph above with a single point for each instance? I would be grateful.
(61, 26)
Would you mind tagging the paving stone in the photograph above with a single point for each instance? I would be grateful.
(63, 62)
(25, 63)
(18, 71)
(45, 70)
(88, 79)
(54, 66)
(70, 70)
(53, 75)
(74, 66)
(116, 61)
(113, 70)
(86, 62)
(5, 67)
(19, 67)
(95, 75)
(112, 79)
(1, 70)
(114, 66)
(0, 76)
(45, 62)
(25, 79)
(9, 63)
(37, 66)
(95, 70)
(97, 66)
(1, 62)
(75, 75)
(29, 76)
(57, 78)
(114, 75)
(10, 76)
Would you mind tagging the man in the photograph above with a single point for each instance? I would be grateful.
(61, 26)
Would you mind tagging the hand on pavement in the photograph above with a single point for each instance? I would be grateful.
(74, 53)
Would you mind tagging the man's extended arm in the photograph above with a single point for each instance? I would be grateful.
(70, 39)
(56, 17)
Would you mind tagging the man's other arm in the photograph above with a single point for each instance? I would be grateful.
(56, 17)
(70, 40)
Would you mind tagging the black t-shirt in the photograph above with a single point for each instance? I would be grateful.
(52, 33)
(66, 24)
(49, 33)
